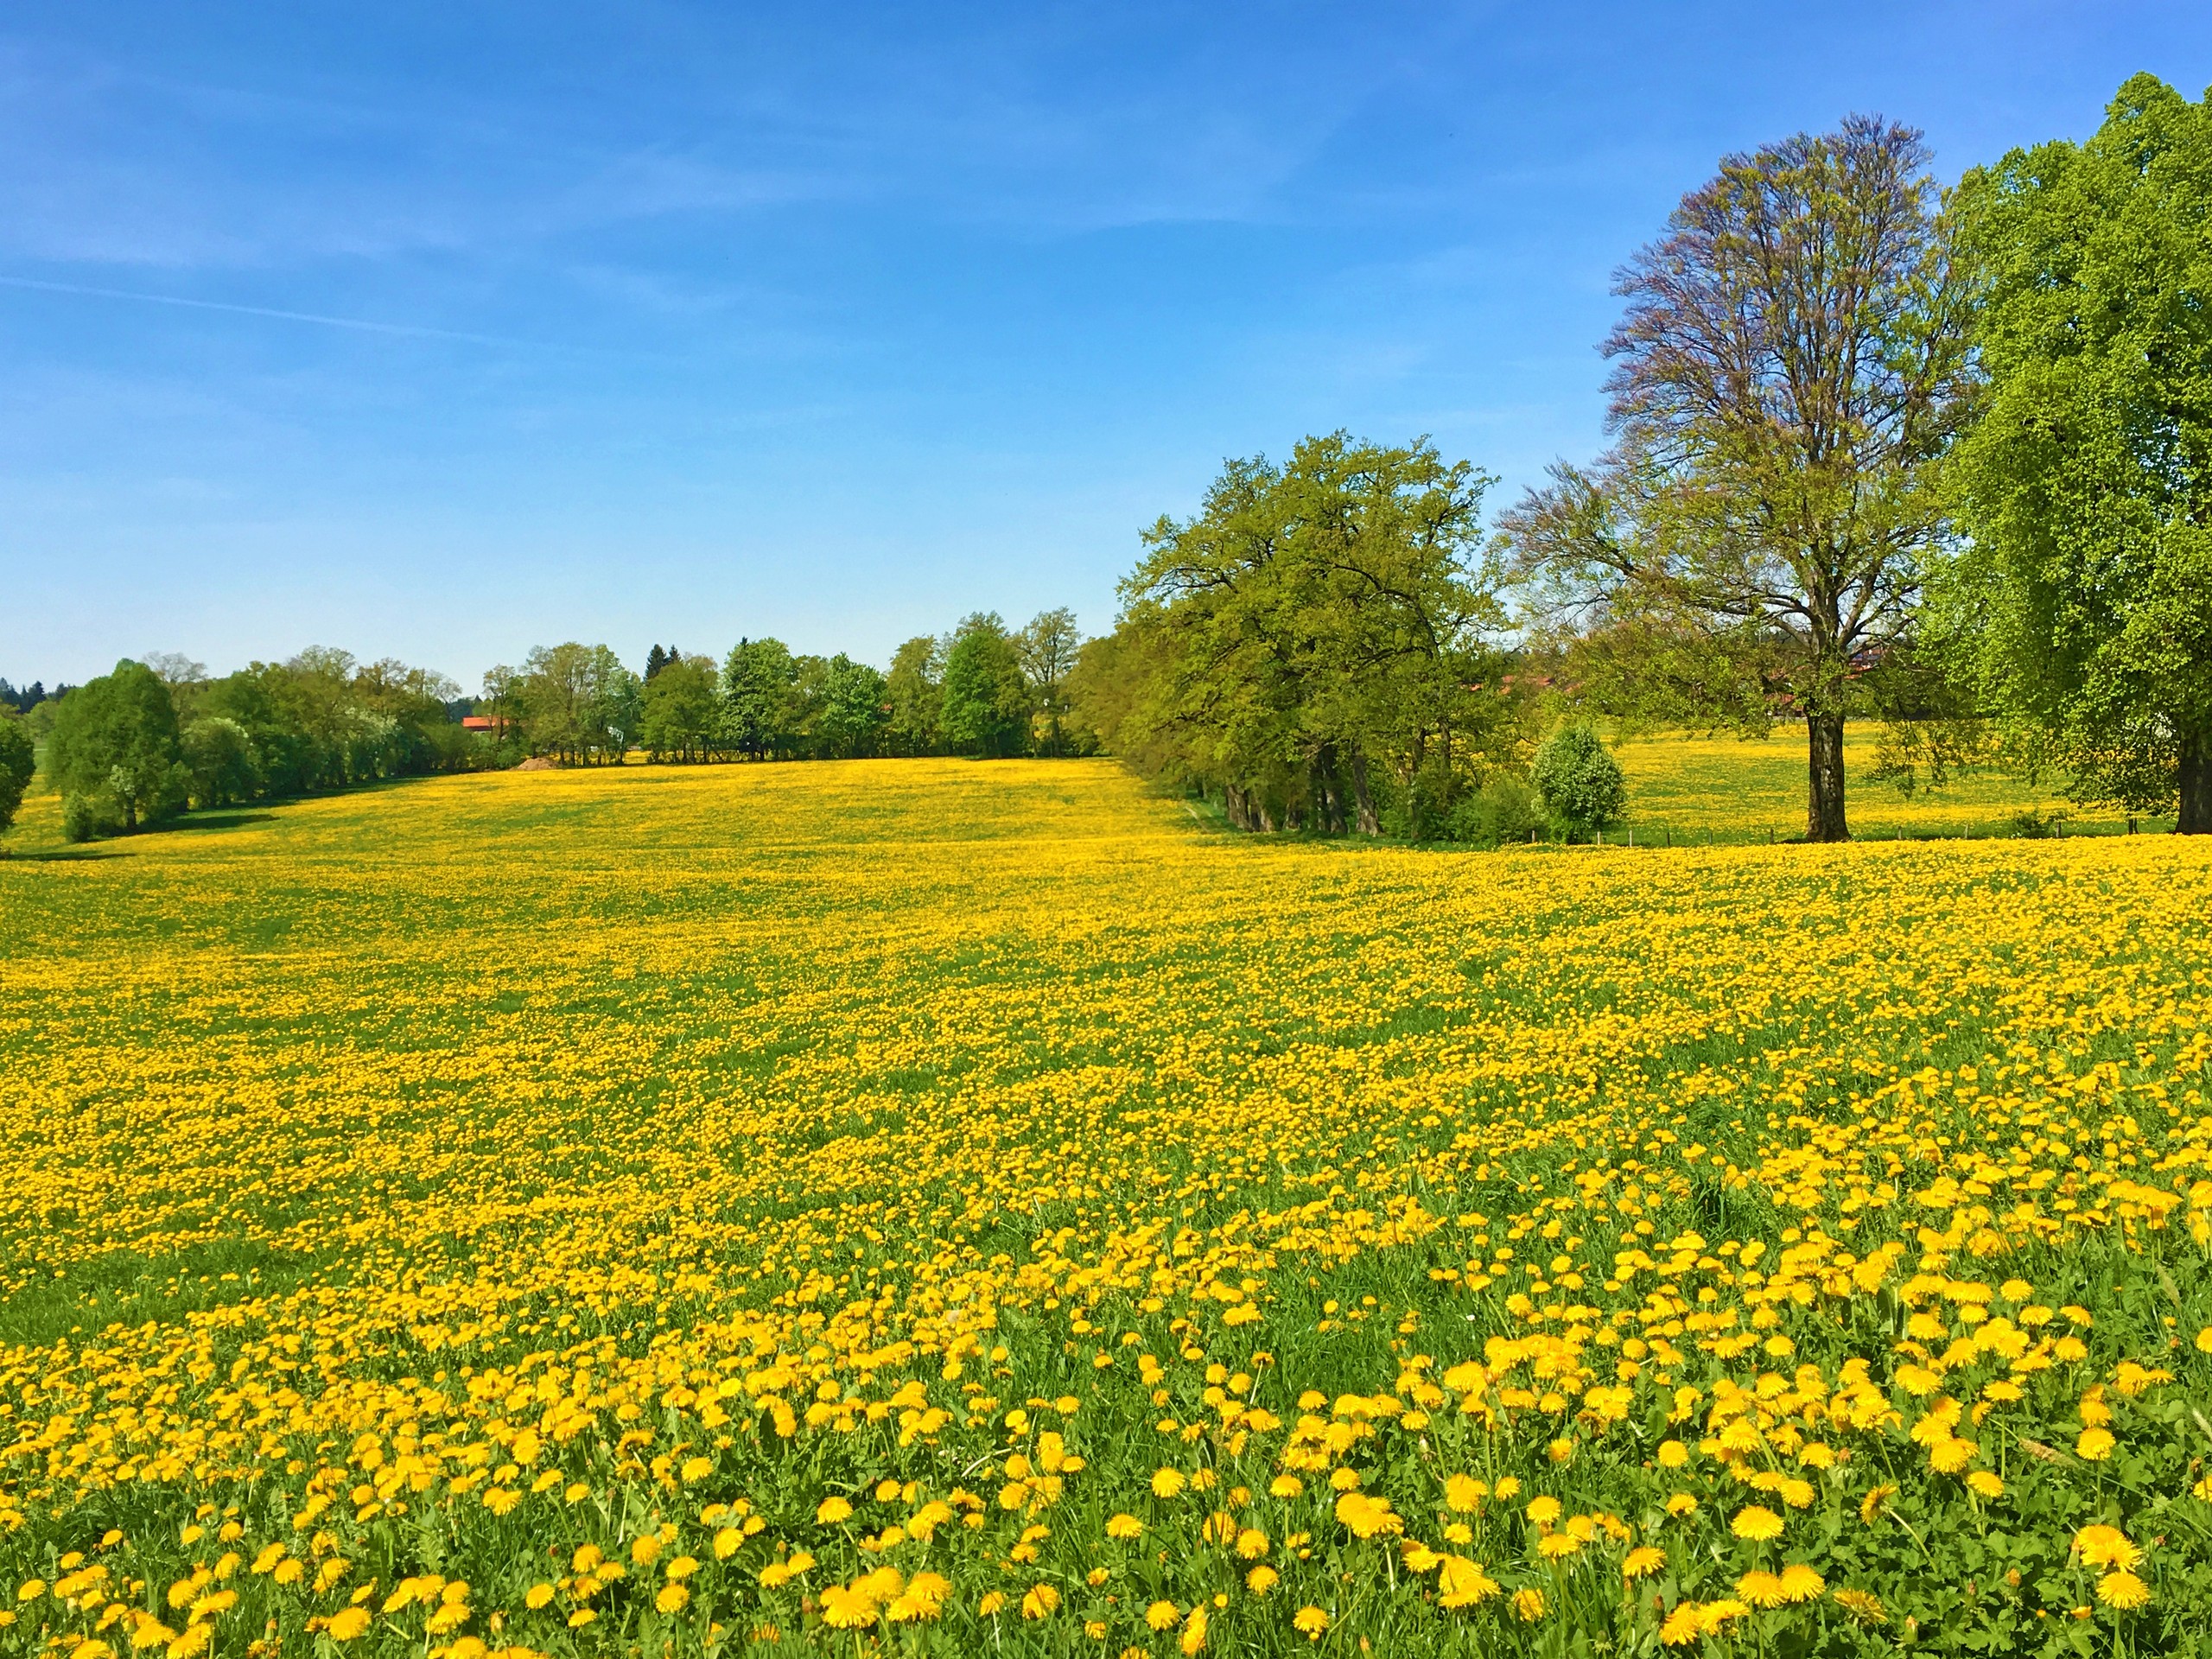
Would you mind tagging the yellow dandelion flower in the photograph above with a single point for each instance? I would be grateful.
(1194, 1639)
(1310, 1623)
(1042, 1602)
(2122, 1590)
(2107, 1545)
(2094, 1445)
(1463, 1494)
(1260, 1579)
(1528, 1605)
(1864, 1605)
(1462, 1583)
(1761, 1589)
(1642, 1562)
(1162, 1615)
(1801, 1583)
(347, 1624)
(1682, 1625)
(1757, 1523)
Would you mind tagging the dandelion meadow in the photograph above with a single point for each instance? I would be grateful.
(923, 1206)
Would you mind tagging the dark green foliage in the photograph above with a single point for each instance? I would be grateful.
(1503, 810)
(914, 690)
(115, 754)
(986, 705)
(1312, 641)
(759, 680)
(681, 713)
(1581, 785)
(850, 720)
(218, 755)
(2082, 609)
(323, 721)
(18, 757)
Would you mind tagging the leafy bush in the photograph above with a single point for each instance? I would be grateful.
(1582, 786)
(1503, 810)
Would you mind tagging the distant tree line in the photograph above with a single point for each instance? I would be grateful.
(983, 691)
(1945, 462)
(150, 739)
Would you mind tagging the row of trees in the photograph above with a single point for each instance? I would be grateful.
(144, 742)
(1944, 461)
(982, 690)
(150, 739)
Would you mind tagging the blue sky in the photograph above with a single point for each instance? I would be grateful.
(437, 331)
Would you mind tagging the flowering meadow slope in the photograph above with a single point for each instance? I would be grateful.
(923, 1206)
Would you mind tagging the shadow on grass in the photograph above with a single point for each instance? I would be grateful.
(60, 855)
(216, 821)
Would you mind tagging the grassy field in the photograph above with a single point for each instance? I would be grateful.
(1695, 788)
(938, 1207)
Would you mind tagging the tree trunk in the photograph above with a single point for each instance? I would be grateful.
(1824, 819)
(2196, 818)
(1328, 792)
(1363, 799)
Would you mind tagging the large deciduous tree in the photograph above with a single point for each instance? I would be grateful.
(680, 712)
(1792, 362)
(759, 683)
(914, 691)
(115, 754)
(1311, 619)
(2084, 595)
(987, 706)
(18, 756)
(1047, 650)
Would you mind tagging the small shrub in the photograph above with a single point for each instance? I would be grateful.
(2034, 825)
(1503, 810)
(1582, 786)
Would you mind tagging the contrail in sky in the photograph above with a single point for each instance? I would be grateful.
(359, 325)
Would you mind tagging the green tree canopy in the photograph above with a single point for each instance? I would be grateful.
(914, 690)
(1047, 649)
(1311, 617)
(219, 757)
(115, 754)
(987, 704)
(760, 678)
(1792, 364)
(2083, 605)
(849, 723)
(18, 757)
(680, 713)
(1582, 786)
